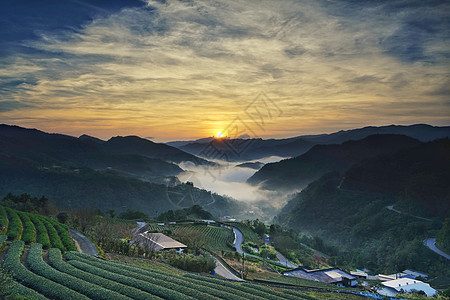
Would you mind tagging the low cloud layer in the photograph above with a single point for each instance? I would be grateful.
(184, 69)
(227, 179)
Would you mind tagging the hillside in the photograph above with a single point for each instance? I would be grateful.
(297, 172)
(81, 172)
(357, 229)
(419, 175)
(348, 212)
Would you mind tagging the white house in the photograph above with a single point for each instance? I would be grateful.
(407, 285)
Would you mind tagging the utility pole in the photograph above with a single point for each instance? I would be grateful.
(243, 264)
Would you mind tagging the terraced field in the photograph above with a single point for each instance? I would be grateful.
(80, 276)
(214, 237)
(32, 228)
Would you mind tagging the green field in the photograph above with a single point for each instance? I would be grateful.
(80, 276)
(295, 281)
(31, 228)
(213, 237)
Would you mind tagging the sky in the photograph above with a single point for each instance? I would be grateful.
(180, 70)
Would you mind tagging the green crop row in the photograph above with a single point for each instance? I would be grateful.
(258, 291)
(29, 231)
(55, 260)
(55, 241)
(42, 235)
(38, 283)
(15, 225)
(169, 282)
(209, 288)
(64, 236)
(3, 220)
(216, 238)
(35, 228)
(38, 266)
(155, 291)
(19, 291)
(292, 293)
(102, 270)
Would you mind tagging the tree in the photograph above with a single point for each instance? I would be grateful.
(62, 217)
(111, 213)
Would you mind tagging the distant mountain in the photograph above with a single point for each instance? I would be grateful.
(247, 149)
(144, 147)
(297, 172)
(87, 172)
(88, 138)
(252, 165)
(421, 132)
(178, 144)
(44, 149)
(251, 149)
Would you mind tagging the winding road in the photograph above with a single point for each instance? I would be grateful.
(84, 244)
(224, 272)
(391, 207)
(431, 243)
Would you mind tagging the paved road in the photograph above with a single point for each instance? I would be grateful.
(224, 272)
(84, 244)
(431, 243)
(283, 260)
(238, 240)
(140, 227)
(391, 207)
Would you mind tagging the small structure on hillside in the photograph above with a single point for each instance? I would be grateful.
(158, 241)
(407, 285)
(333, 276)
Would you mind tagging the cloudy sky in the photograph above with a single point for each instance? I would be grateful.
(187, 69)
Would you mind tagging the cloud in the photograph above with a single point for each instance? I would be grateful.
(186, 69)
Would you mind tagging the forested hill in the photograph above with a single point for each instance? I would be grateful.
(297, 172)
(350, 209)
(419, 175)
(84, 173)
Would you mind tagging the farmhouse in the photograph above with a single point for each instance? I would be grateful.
(158, 241)
(333, 275)
(393, 287)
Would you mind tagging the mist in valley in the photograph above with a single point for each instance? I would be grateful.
(228, 179)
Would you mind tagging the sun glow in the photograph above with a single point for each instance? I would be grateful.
(219, 134)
